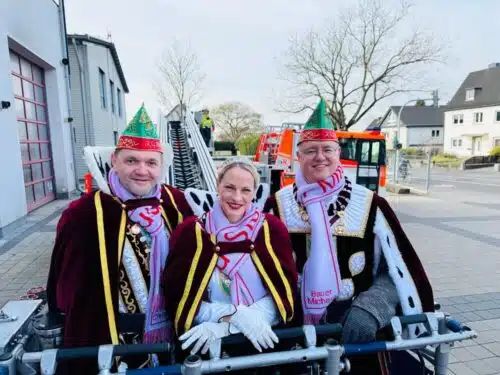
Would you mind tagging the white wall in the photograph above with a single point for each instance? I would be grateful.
(421, 137)
(104, 121)
(485, 132)
(31, 29)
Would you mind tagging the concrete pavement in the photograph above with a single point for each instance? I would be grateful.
(455, 232)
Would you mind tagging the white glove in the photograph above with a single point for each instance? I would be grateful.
(253, 323)
(204, 335)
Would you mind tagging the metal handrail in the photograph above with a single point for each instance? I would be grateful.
(207, 166)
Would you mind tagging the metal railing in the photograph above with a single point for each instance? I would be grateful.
(441, 333)
(207, 166)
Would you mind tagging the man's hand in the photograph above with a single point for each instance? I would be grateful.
(359, 327)
(253, 324)
(204, 335)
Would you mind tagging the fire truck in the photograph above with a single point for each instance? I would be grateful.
(363, 156)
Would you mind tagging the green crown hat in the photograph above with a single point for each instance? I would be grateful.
(320, 126)
(140, 134)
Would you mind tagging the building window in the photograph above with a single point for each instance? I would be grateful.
(112, 95)
(456, 142)
(115, 136)
(469, 95)
(497, 116)
(119, 101)
(435, 133)
(478, 117)
(496, 142)
(102, 87)
(458, 119)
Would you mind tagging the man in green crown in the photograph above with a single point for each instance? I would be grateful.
(355, 262)
(110, 250)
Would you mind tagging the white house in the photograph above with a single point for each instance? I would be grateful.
(472, 117)
(34, 112)
(420, 127)
(98, 87)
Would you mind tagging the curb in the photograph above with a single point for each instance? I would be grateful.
(404, 189)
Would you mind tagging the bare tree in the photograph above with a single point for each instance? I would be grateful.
(235, 120)
(180, 78)
(363, 58)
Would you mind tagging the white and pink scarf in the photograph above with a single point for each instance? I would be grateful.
(157, 326)
(246, 286)
(321, 281)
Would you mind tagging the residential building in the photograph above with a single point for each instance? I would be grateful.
(34, 110)
(420, 127)
(472, 117)
(98, 87)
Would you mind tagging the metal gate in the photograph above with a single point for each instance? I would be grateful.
(31, 112)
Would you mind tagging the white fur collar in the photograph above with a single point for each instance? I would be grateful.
(355, 214)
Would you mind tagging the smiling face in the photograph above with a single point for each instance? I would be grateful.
(139, 171)
(318, 159)
(236, 188)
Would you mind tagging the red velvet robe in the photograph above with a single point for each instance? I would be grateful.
(75, 284)
(194, 259)
(371, 363)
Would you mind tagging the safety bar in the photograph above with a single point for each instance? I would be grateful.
(440, 332)
(287, 333)
(93, 351)
(335, 355)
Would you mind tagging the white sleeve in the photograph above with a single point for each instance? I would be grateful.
(268, 308)
(213, 312)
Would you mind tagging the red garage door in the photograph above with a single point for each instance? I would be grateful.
(31, 110)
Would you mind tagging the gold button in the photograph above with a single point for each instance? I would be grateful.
(252, 247)
(161, 200)
(124, 206)
(217, 248)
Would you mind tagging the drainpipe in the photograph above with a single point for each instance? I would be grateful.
(84, 92)
(67, 74)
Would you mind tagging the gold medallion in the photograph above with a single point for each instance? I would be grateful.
(340, 228)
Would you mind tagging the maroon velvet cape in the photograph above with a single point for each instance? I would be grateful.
(408, 253)
(193, 256)
(75, 283)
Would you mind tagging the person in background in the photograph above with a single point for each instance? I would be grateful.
(206, 126)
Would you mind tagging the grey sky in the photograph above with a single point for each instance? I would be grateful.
(240, 43)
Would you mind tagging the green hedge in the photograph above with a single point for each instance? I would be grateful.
(495, 151)
(223, 146)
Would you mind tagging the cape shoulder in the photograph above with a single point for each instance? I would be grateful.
(355, 214)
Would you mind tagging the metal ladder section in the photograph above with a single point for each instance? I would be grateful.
(186, 173)
(200, 152)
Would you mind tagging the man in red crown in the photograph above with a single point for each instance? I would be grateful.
(357, 265)
(110, 250)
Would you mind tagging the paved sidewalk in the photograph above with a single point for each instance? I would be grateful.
(458, 243)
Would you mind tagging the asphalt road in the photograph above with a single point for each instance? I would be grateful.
(480, 184)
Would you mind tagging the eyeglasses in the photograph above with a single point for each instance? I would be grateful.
(327, 152)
